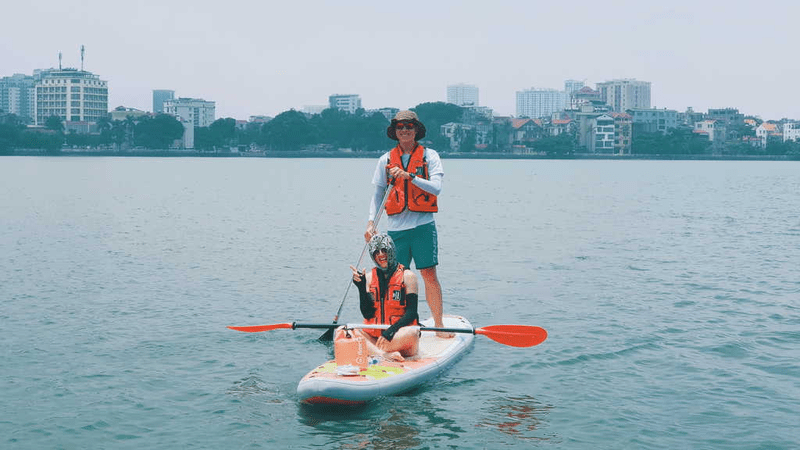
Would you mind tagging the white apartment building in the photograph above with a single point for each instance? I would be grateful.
(349, 103)
(624, 94)
(76, 96)
(18, 96)
(462, 94)
(197, 111)
(791, 131)
(535, 103)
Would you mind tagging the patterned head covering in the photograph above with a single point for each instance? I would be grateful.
(406, 116)
(382, 241)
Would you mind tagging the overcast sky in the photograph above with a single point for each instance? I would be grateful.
(265, 57)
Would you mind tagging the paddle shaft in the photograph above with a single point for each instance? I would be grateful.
(378, 213)
(512, 335)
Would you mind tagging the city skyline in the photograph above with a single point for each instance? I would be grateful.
(263, 59)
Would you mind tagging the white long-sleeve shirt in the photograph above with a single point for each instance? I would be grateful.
(407, 220)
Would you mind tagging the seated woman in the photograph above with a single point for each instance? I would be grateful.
(388, 296)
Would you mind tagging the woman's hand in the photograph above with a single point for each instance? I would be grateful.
(358, 277)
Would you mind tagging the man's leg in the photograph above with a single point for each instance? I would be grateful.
(433, 295)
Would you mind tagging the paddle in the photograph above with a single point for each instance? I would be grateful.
(511, 335)
(328, 335)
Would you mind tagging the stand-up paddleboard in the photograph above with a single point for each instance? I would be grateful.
(331, 384)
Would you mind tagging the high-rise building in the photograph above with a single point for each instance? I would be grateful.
(159, 97)
(462, 95)
(193, 110)
(18, 96)
(572, 87)
(535, 103)
(349, 103)
(76, 96)
(624, 94)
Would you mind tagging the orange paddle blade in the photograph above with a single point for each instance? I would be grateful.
(257, 328)
(514, 335)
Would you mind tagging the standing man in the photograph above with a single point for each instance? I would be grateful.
(415, 174)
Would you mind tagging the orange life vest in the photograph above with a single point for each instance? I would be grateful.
(404, 193)
(391, 306)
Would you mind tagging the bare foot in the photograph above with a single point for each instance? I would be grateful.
(445, 335)
(394, 356)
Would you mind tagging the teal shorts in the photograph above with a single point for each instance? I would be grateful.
(419, 244)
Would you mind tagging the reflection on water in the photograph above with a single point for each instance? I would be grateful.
(370, 427)
(521, 417)
(253, 386)
(395, 423)
(393, 432)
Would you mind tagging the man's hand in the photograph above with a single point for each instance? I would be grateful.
(370, 231)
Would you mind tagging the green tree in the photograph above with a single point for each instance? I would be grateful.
(49, 140)
(371, 133)
(779, 147)
(221, 133)
(469, 141)
(561, 145)
(104, 126)
(158, 132)
(249, 134)
(54, 123)
(678, 141)
(334, 127)
(288, 131)
(502, 131)
(434, 115)
(10, 129)
(359, 131)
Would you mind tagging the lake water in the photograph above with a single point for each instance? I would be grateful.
(669, 289)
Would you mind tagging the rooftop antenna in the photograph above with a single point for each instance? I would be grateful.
(82, 51)
(59, 60)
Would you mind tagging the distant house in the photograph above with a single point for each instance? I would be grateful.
(767, 131)
(713, 128)
(560, 126)
(526, 130)
(121, 113)
(603, 128)
(623, 132)
(585, 95)
(455, 132)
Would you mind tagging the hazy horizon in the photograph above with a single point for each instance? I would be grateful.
(266, 58)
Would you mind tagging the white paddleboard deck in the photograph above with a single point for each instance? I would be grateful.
(383, 378)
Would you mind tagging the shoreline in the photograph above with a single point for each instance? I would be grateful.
(444, 155)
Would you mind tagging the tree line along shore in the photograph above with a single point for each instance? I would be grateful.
(334, 133)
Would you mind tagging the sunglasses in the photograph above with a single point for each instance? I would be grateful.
(380, 250)
(404, 126)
